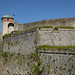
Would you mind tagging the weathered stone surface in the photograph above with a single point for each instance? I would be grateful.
(52, 22)
(60, 37)
(26, 42)
(23, 42)
(56, 62)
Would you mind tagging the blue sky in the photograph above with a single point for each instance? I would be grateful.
(35, 10)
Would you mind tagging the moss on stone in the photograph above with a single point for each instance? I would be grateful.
(4, 36)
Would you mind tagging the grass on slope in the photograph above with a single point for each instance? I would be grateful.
(38, 27)
(55, 47)
(68, 27)
(27, 30)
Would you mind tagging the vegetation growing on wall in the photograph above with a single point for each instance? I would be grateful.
(56, 28)
(61, 27)
(26, 30)
(55, 47)
(32, 61)
(4, 36)
(68, 27)
(36, 69)
(5, 56)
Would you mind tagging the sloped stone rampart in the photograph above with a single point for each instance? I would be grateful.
(27, 41)
(58, 62)
(23, 43)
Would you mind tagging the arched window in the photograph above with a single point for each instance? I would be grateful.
(10, 27)
(10, 24)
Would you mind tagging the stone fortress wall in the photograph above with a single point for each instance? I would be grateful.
(52, 22)
(55, 61)
(60, 37)
(24, 42)
(58, 62)
(43, 36)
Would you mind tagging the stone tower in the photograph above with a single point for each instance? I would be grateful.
(7, 25)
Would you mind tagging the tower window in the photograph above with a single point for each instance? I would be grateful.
(7, 19)
(10, 24)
